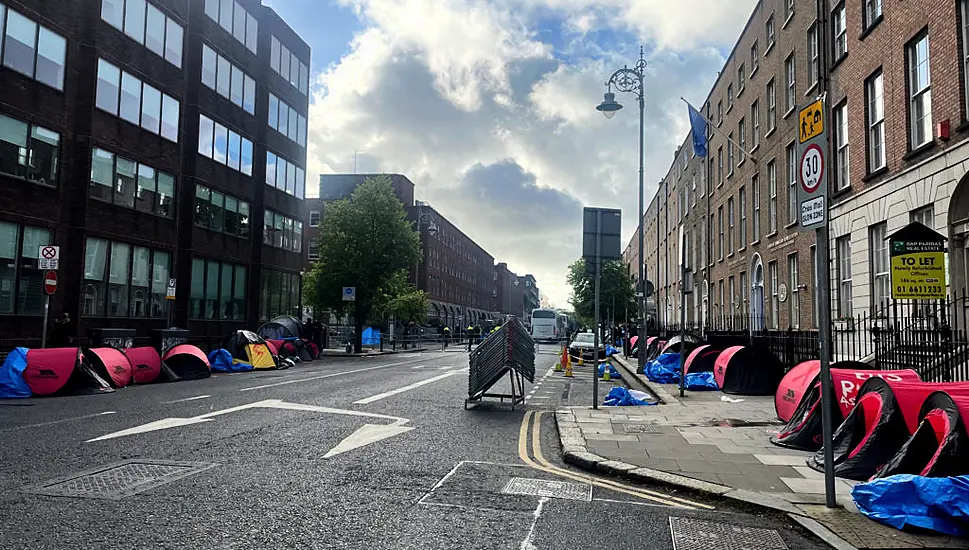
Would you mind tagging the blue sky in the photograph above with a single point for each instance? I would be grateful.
(327, 26)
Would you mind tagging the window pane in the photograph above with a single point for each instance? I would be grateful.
(151, 110)
(300, 182)
(165, 205)
(273, 112)
(198, 289)
(225, 304)
(125, 183)
(173, 44)
(31, 295)
(270, 169)
(249, 95)
(223, 77)
(291, 132)
(278, 226)
(209, 61)
(112, 11)
(236, 94)
(225, 15)
(212, 9)
(294, 70)
(221, 143)
(134, 20)
(283, 126)
(169, 123)
(252, 33)
(211, 289)
(301, 131)
(291, 179)
(159, 283)
(93, 293)
(239, 23)
(303, 78)
(233, 153)
(18, 44)
(118, 279)
(9, 239)
(51, 49)
(140, 297)
(203, 205)
(217, 220)
(109, 82)
(246, 157)
(284, 58)
(231, 215)
(274, 54)
(130, 98)
(239, 293)
(155, 31)
(145, 200)
(102, 174)
(244, 219)
(281, 173)
(206, 127)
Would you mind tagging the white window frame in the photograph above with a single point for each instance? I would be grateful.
(964, 12)
(839, 21)
(755, 185)
(771, 106)
(875, 113)
(881, 288)
(742, 207)
(871, 10)
(843, 259)
(774, 299)
(842, 159)
(791, 154)
(793, 300)
(814, 68)
(920, 96)
(790, 82)
(772, 197)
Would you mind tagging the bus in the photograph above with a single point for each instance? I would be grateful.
(545, 325)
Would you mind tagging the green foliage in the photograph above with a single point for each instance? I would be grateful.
(365, 242)
(401, 299)
(616, 286)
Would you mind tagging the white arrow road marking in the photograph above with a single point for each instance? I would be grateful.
(162, 424)
(187, 399)
(380, 396)
(365, 435)
(331, 375)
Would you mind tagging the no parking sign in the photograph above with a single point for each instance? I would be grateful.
(349, 294)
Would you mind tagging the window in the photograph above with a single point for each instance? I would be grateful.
(283, 232)
(769, 32)
(733, 299)
(121, 280)
(147, 25)
(127, 183)
(33, 50)
(880, 279)
(839, 22)
(285, 120)
(742, 136)
(964, 13)
(742, 200)
(21, 282)
(755, 185)
(720, 164)
(741, 79)
(228, 80)
(720, 242)
(843, 251)
(224, 146)
(219, 212)
(774, 301)
(788, 9)
(280, 294)
(793, 301)
(719, 113)
(840, 135)
(730, 225)
(235, 20)
(28, 151)
(730, 141)
(790, 81)
(288, 66)
(924, 215)
(754, 58)
(771, 197)
(919, 84)
(771, 106)
(743, 293)
(755, 124)
(875, 92)
(814, 67)
(792, 182)
(285, 176)
(729, 97)
(871, 12)
(314, 218)
(218, 291)
(120, 94)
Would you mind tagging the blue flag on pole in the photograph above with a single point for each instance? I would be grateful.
(698, 126)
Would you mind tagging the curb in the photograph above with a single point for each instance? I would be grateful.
(575, 452)
(376, 354)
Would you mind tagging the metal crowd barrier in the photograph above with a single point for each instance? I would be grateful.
(509, 350)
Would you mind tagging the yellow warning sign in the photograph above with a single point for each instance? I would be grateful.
(811, 121)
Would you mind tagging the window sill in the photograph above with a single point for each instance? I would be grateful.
(740, 91)
(790, 224)
(756, 147)
(920, 150)
(719, 185)
(838, 61)
(741, 163)
(841, 192)
(811, 89)
(40, 182)
(729, 108)
(741, 249)
(769, 132)
(754, 242)
(729, 175)
(787, 21)
(870, 27)
(753, 72)
(772, 234)
(770, 47)
(874, 175)
(730, 255)
(790, 111)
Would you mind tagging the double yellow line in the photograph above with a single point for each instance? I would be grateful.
(538, 462)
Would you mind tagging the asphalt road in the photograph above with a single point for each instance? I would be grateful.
(375, 453)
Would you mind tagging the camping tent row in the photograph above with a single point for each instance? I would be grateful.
(890, 422)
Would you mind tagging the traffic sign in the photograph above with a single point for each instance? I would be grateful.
(812, 173)
(50, 282)
(349, 294)
(48, 257)
(170, 289)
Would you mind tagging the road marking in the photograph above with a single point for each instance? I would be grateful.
(409, 387)
(321, 377)
(107, 413)
(186, 399)
(365, 435)
(55, 422)
(527, 542)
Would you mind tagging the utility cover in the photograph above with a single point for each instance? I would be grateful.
(119, 480)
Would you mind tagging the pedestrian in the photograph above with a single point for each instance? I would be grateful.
(60, 332)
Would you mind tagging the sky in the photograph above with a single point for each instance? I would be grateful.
(489, 107)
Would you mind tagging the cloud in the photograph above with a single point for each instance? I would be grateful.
(489, 107)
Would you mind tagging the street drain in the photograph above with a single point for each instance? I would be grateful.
(545, 488)
(641, 428)
(119, 480)
(696, 534)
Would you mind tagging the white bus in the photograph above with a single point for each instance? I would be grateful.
(545, 325)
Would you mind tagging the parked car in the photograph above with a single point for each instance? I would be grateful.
(584, 346)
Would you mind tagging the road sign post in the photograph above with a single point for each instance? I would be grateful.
(50, 287)
(601, 232)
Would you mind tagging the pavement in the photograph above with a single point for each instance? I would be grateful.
(372, 452)
(708, 443)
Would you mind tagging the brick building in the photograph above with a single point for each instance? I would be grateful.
(899, 127)
(514, 294)
(151, 140)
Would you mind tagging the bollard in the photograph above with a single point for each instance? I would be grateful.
(349, 348)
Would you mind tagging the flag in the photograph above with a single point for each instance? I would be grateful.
(698, 127)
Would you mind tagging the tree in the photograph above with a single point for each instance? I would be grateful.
(365, 242)
(402, 300)
(616, 286)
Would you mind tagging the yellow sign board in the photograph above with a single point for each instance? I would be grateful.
(919, 276)
(811, 121)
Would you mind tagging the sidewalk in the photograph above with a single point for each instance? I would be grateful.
(703, 443)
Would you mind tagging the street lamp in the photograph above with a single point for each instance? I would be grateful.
(631, 81)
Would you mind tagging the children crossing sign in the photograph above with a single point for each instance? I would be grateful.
(918, 263)
(811, 172)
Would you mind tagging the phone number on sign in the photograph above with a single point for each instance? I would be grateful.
(920, 289)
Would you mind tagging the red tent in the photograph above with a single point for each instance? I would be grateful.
(274, 346)
(111, 364)
(938, 448)
(146, 365)
(702, 359)
(188, 362)
(799, 380)
(61, 371)
(748, 370)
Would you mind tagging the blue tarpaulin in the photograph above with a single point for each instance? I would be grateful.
(665, 369)
(222, 361)
(937, 503)
(613, 373)
(610, 351)
(12, 374)
(622, 397)
(698, 381)
(371, 336)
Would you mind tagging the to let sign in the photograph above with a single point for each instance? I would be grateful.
(918, 263)
(812, 172)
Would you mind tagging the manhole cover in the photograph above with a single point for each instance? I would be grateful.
(641, 428)
(119, 480)
(696, 534)
(544, 488)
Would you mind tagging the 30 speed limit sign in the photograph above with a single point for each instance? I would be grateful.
(812, 168)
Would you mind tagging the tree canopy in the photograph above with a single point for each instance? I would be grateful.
(366, 242)
(615, 287)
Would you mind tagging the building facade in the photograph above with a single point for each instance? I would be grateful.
(146, 139)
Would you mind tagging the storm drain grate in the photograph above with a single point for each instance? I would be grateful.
(696, 534)
(641, 428)
(119, 480)
(544, 488)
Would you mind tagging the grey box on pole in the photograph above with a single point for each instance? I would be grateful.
(610, 244)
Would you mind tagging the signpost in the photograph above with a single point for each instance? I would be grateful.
(349, 294)
(918, 263)
(50, 282)
(601, 232)
(48, 257)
